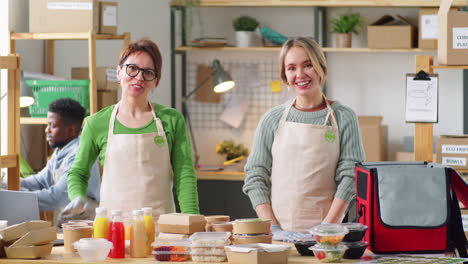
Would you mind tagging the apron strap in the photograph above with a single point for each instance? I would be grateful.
(286, 112)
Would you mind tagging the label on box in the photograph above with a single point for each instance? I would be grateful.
(70, 6)
(460, 38)
(109, 15)
(111, 75)
(429, 28)
(454, 161)
(454, 149)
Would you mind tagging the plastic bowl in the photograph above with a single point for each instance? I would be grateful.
(93, 249)
(329, 254)
(303, 247)
(356, 232)
(329, 234)
(355, 249)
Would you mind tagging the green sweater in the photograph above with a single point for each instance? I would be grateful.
(259, 165)
(93, 143)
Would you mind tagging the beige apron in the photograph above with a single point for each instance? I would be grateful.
(137, 171)
(305, 157)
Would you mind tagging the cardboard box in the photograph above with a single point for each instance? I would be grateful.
(37, 237)
(257, 254)
(251, 226)
(181, 223)
(390, 32)
(453, 35)
(19, 230)
(428, 28)
(374, 137)
(29, 252)
(106, 98)
(58, 16)
(452, 151)
(108, 18)
(409, 156)
(106, 77)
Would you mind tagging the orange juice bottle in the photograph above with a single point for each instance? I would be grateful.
(101, 224)
(138, 235)
(150, 228)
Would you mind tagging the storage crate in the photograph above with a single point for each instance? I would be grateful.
(47, 91)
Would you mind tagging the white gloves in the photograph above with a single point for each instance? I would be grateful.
(78, 209)
(280, 234)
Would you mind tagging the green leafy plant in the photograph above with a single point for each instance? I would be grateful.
(347, 23)
(245, 23)
(231, 149)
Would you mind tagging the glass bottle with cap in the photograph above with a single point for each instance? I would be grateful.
(150, 228)
(138, 235)
(101, 224)
(117, 235)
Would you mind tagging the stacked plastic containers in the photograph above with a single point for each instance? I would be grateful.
(175, 250)
(328, 237)
(352, 240)
(209, 246)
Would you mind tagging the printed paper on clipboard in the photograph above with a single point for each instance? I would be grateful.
(235, 111)
(422, 98)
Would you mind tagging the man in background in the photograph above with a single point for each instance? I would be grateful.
(64, 120)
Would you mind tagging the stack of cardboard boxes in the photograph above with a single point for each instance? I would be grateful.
(59, 16)
(28, 240)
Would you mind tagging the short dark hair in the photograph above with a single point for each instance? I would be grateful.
(144, 45)
(71, 112)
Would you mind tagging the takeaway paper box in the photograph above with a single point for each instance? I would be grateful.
(181, 223)
(58, 16)
(36, 237)
(16, 231)
(390, 32)
(257, 254)
(29, 252)
(453, 35)
(452, 151)
(33, 244)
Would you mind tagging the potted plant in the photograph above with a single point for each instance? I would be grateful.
(244, 27)
(231, 149)
(344, 26)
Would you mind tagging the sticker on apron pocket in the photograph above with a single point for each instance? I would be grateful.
(330, 136)
(159, 141)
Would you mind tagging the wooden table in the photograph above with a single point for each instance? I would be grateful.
(57, 256)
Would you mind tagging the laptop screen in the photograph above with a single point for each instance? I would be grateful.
(18, 207)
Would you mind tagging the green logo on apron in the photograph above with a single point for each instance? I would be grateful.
(159, 141)
(330, 136)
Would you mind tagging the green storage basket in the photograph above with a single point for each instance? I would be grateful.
(47, 91)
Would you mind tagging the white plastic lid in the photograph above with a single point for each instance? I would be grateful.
(355, 226)
(101, 210)
(329, 230)
(93, 243)
(116, 212)
(147, 209)
(137, 212)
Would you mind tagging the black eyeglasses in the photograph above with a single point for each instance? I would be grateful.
(132, 70)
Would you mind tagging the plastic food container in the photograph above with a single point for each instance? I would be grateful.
(329, 234)
(210, 239)
(329, 254)
(251, 226)
(176, 250)
(303, 247)
(355, 249)
(356, 231)
(93, 249)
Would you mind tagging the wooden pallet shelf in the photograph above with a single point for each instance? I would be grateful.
(277, 49)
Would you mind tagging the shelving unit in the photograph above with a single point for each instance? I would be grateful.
(328, 50)
(50, 38)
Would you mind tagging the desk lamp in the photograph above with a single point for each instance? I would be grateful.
(222, 82)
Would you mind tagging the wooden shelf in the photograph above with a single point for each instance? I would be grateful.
(220, 175)
(64, 36)
(450, 67)
(327, 3)
(33, 120)
(277, 49)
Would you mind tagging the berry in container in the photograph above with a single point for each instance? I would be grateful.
(329, 234)
(175, 250)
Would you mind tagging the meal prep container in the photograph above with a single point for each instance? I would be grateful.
(329, 234)
(93, 249)
(303, 247)
(250, 226)
(176, 250)
(329, 254)
(356, 231)
(355, 249)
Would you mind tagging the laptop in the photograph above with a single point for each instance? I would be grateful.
(18, 207)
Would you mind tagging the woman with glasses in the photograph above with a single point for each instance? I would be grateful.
(143, 147)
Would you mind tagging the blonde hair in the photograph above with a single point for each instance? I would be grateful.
(312, 49)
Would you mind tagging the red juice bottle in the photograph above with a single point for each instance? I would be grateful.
(117, 235)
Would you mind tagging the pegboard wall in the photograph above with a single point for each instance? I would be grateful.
(252, 75)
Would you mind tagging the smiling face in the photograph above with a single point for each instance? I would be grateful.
(136, 86)
(300, 73)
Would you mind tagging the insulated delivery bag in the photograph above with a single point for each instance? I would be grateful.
(411, 207)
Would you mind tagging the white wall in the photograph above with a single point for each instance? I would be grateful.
(370, 83)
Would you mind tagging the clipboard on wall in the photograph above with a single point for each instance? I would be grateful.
(422, 98)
